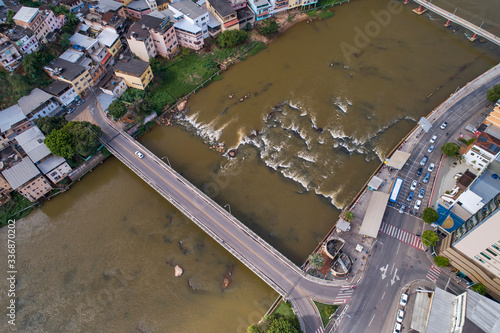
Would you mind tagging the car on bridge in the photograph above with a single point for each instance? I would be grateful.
(413, 185)
(139, 154)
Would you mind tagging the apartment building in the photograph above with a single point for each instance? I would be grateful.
(137, 9)
(33, 19)
(23, 38)
(92, 47)
(13, 122)
(95, 69)
(62, 91)
(299, 3)
(55, 168)
(77, 75)
(115, 86)
(224, 13)
(53, 21)
(278, 6)
(188, 35)
(136, 73)
(97, 22)
(10, 58)
(192, 13)
(5, 190)
(25, 178)
(111, 40)
(73, 5)
(482, 152)
(38, 104)
(105, 6)
(140, 42)
(261, 8)
(474, 248)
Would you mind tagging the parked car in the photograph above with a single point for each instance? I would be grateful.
(427, 177)
(70, 110)
(443, 125)
(80, 102)
(431, 148)
(403, 300)
(419, 171)
(417, 205)
(401, 314)
(433, 139)
(402, 209)
(397, 328)
(424, 160)
(431, 167)
(139, 154)
(413, 185)
(410, 196)
(422, 193)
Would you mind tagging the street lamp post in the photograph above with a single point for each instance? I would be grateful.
(229, 208)
(167, 160)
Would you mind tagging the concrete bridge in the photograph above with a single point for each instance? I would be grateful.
(457, 20)
(271, 266)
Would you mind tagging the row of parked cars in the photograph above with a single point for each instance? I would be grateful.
(401, 313)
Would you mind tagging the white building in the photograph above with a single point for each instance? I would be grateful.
(483, 151)
(116, 86)
(62, 91)
(92, 46)
(192, 13)
(55, 168)
(38, 104)
(23, 38)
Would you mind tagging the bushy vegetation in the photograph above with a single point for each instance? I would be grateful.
(493, 94)
(479, 288)
(325, 311)
(441, 261)
(117, 109)
(316, 260)
(450, 149)
(14, 206)
(48, 124)
(324, 14)
(76, 137)
(232, 38)
(430, 215)
(429, 238)
(269, 28)
(283, 320)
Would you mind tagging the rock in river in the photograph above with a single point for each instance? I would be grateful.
(178, 270)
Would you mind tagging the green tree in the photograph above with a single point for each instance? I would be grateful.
(60, 144)
(441, 261)
(281, 325)
(349, 216)
(429, 238)
(232, 38)
(58, 10)
(316, 260)
(493, 94)
(65, 40)
(84, 137)
(10, 16)
(71, 23)
(269, 28)
(117, 109)
(430, 215)
(48, 124)
(132, 94)
(450, 149)
(479, 288)
(33, 66)
(248, 26)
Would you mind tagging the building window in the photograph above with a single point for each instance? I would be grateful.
(493, 253)
(484, 255)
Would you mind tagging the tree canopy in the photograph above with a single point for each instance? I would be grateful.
(349, 216)
(65, 40)
(493, 94)
(479, 288)
(430, 215)
(316, 260)
(276, 324)
(48, 124)
(33, 66)
(232, 38)
(281, 325)
(59, 143)
(117, 109)
(269, 28)
(74, 138)
(450, 149)
(441, 261)
(429, 238)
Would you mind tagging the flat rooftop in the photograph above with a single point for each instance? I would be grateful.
(222, 7)
(134, 67)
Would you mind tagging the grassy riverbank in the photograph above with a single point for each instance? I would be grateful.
(17, 204)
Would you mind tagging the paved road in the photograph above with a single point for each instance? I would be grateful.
(458, 20)
(400, 262)
(276, 270)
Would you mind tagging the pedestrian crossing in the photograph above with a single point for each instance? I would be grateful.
(344, 295)
(402, 235)
(433, 273)
(319, 330)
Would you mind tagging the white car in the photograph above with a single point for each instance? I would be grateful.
(443, 125)
(431, 167)
(431, 148)
(404, 300)
(139, 154)
(397, 328)
(417, 204)
(402, 209)
(400, 316)
(413, 185)
(433, 139)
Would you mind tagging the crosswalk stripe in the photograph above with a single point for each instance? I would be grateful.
(402, 235)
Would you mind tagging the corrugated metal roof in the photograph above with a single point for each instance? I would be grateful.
(398, 159)
(36, 98)
(108, 37)
(483, 312)
(26, 14)
(375, 213)
(20, 173)
(442, 312)
(420, 311)
(32, 143)
(50, 164)
(10, 116)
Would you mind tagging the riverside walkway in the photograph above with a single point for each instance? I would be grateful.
(460, 21)
(271, 266)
